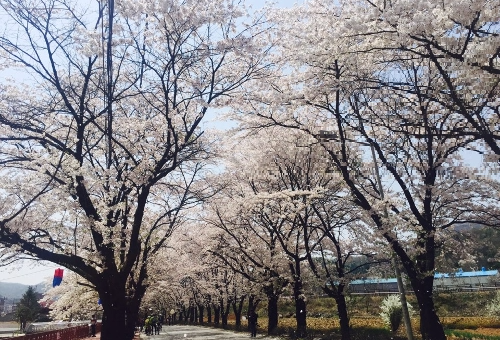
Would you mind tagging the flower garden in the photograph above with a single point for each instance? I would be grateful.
(465, 318)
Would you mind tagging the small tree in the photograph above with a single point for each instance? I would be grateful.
(28, 308)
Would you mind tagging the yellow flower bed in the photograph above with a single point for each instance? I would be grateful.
(477, 325)
(325, 324)
(470, 322)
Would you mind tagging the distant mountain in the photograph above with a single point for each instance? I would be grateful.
(16, 290)
(468, 226)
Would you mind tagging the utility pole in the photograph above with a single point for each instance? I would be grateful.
(329, 135)
(401, 288)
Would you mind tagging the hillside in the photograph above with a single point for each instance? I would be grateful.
(16, 290)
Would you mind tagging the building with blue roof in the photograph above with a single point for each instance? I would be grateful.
(466, 280)
(460, 280)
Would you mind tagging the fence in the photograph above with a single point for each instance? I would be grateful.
(72, 333)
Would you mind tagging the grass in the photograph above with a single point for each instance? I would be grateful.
(468, 335)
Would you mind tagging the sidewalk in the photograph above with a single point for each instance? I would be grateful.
(98, 336)
(201, 333)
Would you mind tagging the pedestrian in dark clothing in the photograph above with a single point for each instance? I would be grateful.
(252, 324)
(93, 323)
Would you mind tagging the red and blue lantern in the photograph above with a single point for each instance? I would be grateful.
(58, 276)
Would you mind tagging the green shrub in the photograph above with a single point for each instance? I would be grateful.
(493, 307)
(392, 312)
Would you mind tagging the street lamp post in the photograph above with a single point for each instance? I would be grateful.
(327, 135)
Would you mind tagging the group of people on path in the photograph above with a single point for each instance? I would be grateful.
(152, 325)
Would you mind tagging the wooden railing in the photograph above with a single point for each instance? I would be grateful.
(72, 333)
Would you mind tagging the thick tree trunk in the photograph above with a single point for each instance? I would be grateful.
(114, 320)
(336, 291)
(300, 308)
(430, 326)
(300, 302)
(209, 314)
(421, 275)
(132, 315)
(345, 330)
(272, 313)
(224, 320)
(300, 316)
(224, 312)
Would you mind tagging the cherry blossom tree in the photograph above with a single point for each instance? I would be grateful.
(459, 40)
(348, 248)
(248, 247)
(372, 100)
(272, 209)
(101, 145)
(74, 299)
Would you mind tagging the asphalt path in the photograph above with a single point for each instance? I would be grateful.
(200, 333)
(7, 329)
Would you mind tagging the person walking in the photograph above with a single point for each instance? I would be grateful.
(93, 323)
(252, 323)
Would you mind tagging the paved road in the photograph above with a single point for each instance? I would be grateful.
(8, 332)
(7, 328)
(200, 333)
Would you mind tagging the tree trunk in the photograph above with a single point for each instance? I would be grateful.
(272, 313)
(300, 315)
(120, 310)
(224, 312)
(300, 302)
(113, 320)
(336, 291)
(430, 326)
(345, 330)
(237, 308)
(201, 309)
(209, 314)
(421, 275)
(192, 313)
(183, 315)
(131, 316)
(217, 314)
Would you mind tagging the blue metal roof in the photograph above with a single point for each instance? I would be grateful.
(436, 276)
(467, 274)
(372, 281)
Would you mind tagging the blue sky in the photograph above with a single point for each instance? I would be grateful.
(28, 273)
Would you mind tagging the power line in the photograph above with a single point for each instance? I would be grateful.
(39, 271)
